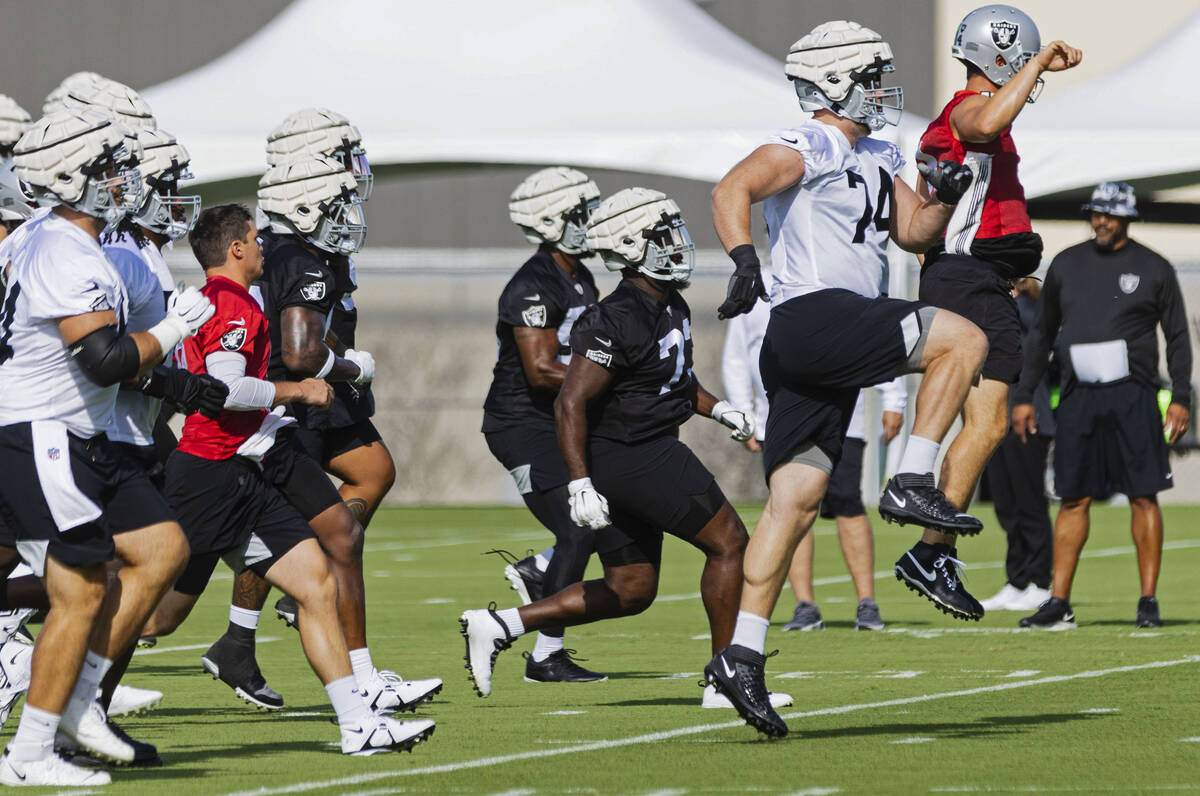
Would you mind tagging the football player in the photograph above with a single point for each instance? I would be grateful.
(626, 392)
(78, 500)
(832, 202)
(537, 309)
(226, 504)
(14, 205)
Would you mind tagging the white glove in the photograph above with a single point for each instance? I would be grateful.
(742, 424)
(588, 507)
(365, 362)
(187, 310)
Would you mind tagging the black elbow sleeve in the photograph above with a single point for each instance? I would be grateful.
(106, 357)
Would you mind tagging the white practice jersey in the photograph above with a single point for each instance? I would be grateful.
(57, 270)
(153, 258)
(831, 229)
(135, 413)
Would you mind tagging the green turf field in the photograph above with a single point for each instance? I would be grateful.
(928, 705)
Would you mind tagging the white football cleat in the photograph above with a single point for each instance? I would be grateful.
(1031, 599)
(129, 701)
(50, 770)
(16, 658)
(11, 621)
(385, 734)
(487, 636)
(95, 737)
(1007, 599)
(388, 691)
(714, 699)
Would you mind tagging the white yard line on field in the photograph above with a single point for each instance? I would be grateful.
(186, 647)
(655, 737)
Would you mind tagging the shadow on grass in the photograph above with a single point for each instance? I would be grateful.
(984, 727)
(1129, 624)
(660, 701)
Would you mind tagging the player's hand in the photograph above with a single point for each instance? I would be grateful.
(746, 284)
(196, 392)
(191, 307)
(752, 445)
(1177, 421)
(1058, 56)
(1023, 421)
(317, 393)
(730, 416)
(365, 362)
(949, 180)
(589, 509)
(892, 423)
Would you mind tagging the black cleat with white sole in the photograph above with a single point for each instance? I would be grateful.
(234, 665)
(739, 673)
(932, 570)
(522, 574)
(1054, 614)
(285, 609)
(913, 498)
(559, 667)
(1147, 613)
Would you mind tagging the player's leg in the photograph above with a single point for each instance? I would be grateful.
(367, 472)
(1146, 525)
(806, 615)
(843, 501)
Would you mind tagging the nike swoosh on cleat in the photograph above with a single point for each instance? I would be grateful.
(899, 501)
(930, 576)
(728, 672)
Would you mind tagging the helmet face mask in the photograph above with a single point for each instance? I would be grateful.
(998, 40)
(342, 228)
(839, 67)
(165, 211)
(670, 253)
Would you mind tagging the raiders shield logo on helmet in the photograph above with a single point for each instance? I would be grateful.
(1004, 34)
(233, 339)
(535, 315)
(313, 291)
(1129, 282)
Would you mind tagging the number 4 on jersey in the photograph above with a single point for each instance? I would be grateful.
(883, 202)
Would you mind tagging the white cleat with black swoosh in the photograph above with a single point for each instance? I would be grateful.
(49, 770)
(385, 734)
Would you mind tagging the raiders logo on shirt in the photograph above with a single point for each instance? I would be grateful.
(535, 315)
(233, 339)
(1129, 283)
(313, 291)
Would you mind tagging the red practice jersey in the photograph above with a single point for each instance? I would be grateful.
(237, 326)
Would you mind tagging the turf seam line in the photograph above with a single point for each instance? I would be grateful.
(483, 762)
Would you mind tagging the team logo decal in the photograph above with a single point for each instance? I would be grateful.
(535, 315)
(1004, 34)
(599, 357)
(54, 454)
(313, 291)
(1129, 282)
(233, 339)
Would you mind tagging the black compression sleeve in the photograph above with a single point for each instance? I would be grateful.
(106, 357)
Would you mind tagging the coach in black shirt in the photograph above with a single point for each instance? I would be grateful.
(1099, 308)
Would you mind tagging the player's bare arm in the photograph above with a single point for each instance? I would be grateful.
(317, 393)
(584, 381)
(725, 413)
(305, 350)
(917, 223)
(539, 357)
(981, 119)
(764, 172)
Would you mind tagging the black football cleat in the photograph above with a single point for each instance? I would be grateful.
(738, 673)
(909, 497)
(1147, 613)
(522, 574)
(285, 609)
(932, 570)
(234, 665)
(1054, 614)
(559, 667)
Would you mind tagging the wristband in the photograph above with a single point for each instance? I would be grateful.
(720, 408)
(744, 256)
(328, 366)
(169, 332)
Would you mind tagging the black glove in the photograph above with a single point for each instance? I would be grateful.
(949, 180)
(745, 286)
(191, 392)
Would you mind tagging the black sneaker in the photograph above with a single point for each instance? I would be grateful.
(234, 665)
(1147, 613)
(285, 609)
(914, 498)
(932, 570)
(523, 575)
(559, 667)
(737, 672)
(1054, 614)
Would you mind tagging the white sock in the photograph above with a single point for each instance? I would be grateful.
(93, 671)
(360, 661)
(546, 646)
(512, 620)
(542, 559)
(348, 702)
(920, 455)
(243, 617)
(751, 631)
(35, 734)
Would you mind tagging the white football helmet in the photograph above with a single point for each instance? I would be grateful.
(552, 206)
(314, 198)
(13, 121)
(89, 90)
(998, 40)
(319, 131)
(642, 229)
(15, 204)
(83, 159)
(839, 67)
(76, 80)
(164, 165)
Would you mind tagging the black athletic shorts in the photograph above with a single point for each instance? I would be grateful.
(146, 457)
(843, 495)
(8, 527)
(69, 495)
(652, 487)
(299, 476)
(1110, 440)
(818, 350)
(328, 444)
(971, 288)
(228, 510)
(531, 456)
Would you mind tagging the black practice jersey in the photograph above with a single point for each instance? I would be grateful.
(541, 295)
(647, 346)
(351, 402)
(1096, 296)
